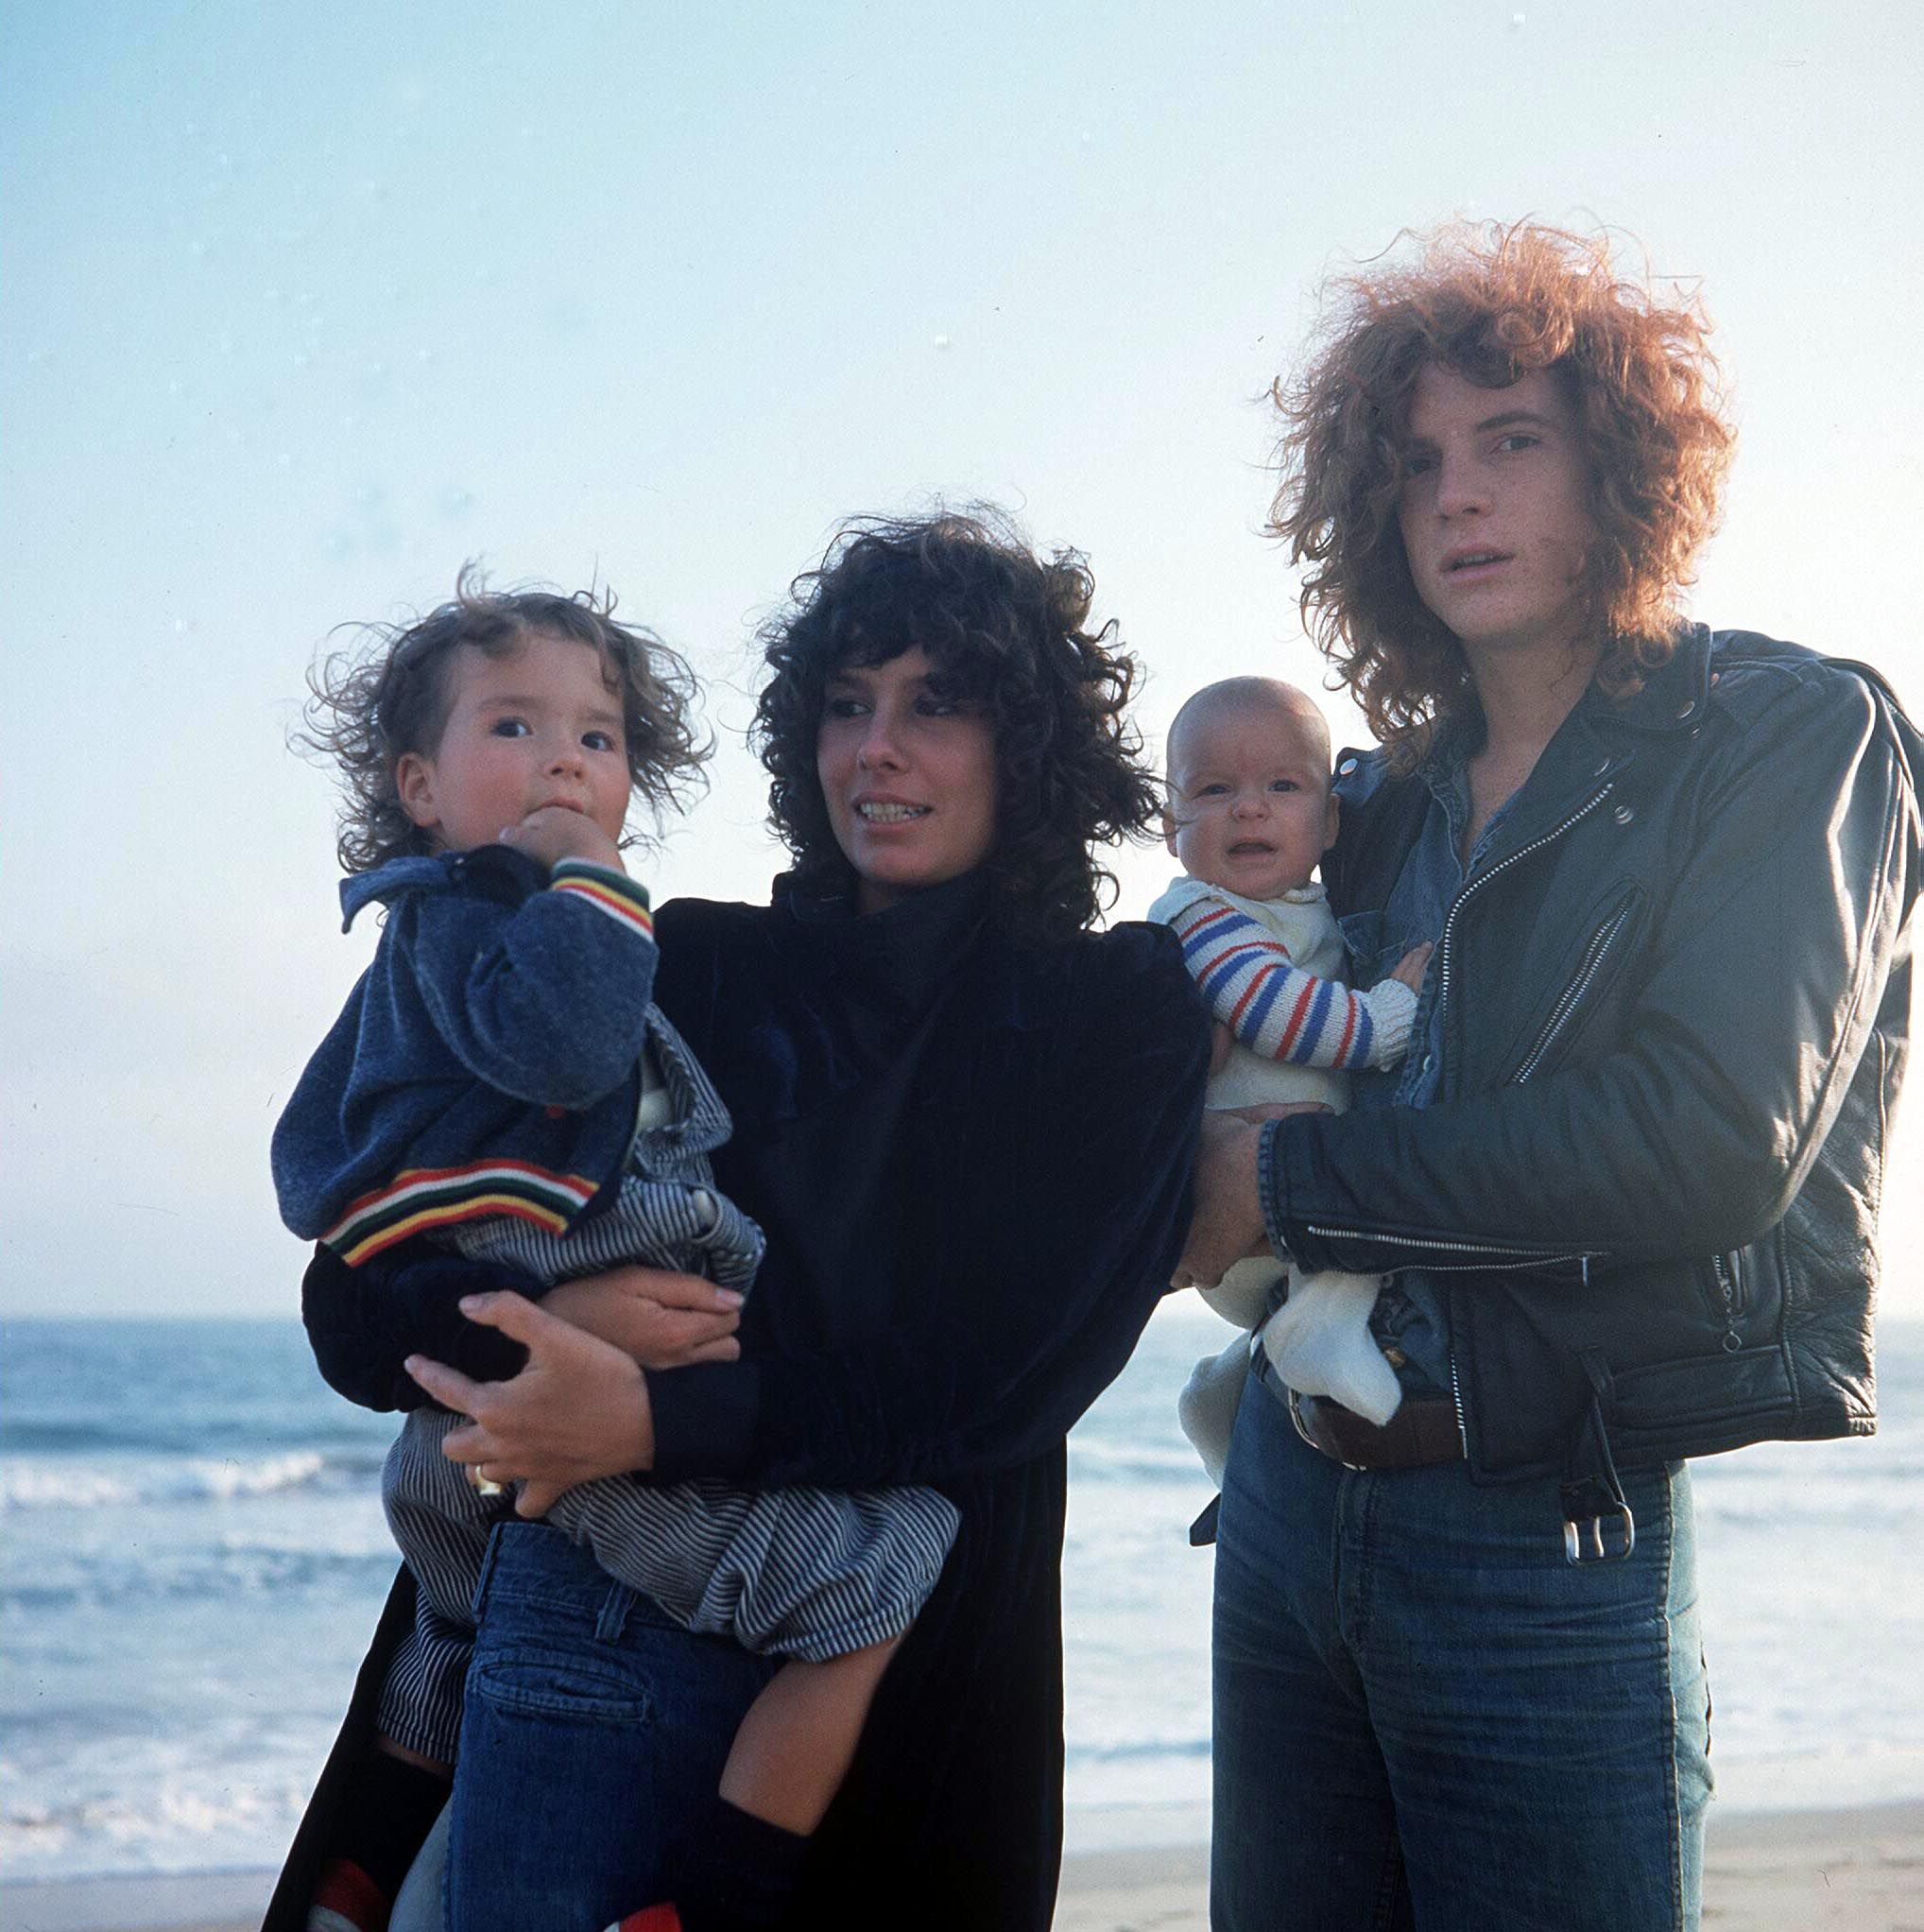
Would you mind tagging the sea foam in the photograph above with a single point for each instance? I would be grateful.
(64, 1485)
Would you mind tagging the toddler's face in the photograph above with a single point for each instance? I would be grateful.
(539, 727)
(1249, 802)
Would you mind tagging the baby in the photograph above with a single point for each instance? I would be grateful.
(1251, 814)
(501, 1084)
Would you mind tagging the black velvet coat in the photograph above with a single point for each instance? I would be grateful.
(971, 1161)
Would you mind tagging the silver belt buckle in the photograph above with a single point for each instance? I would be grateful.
(1597, 1550)
(1296, 1415)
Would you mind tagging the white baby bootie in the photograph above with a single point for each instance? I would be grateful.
(1206, 1406)
(1319, 1343)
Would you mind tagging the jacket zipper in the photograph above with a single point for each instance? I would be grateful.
(1525, 1259)
(1594, 959)
(1483, 879)
(1456, 1400)
(1729, 1286)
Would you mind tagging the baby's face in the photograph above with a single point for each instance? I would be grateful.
(1249, 802)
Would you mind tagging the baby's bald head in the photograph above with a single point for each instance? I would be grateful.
(1296, 714)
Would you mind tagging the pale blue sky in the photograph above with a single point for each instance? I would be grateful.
(302, 308)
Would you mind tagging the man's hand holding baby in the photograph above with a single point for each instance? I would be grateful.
(1227, 1225)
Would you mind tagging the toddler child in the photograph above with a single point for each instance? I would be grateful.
(501, 1084)
(1251, 814)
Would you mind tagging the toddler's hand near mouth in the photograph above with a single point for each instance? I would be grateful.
(553, 833)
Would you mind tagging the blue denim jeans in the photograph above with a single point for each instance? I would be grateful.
(1425, 1717)
(594, 1733)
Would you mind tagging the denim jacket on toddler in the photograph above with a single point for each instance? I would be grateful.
(489, 1061)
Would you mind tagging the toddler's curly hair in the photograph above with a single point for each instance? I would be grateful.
(390, 694)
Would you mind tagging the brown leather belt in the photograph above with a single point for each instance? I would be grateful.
(1419, 1434)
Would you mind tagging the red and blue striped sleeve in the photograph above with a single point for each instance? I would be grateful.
(1276, 1010)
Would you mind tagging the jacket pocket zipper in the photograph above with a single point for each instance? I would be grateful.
(1730, 1274)
(1514, 1256)
(1591, 964)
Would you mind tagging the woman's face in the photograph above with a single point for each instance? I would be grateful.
(908, 774)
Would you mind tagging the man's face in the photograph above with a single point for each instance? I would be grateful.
(1494, 509)
(1249, 802)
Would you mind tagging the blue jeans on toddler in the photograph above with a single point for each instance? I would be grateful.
(594, 1733)
(1426, 1716)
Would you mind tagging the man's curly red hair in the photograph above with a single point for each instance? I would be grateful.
(1490, 303)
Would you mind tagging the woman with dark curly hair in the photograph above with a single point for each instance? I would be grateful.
(964, 1122)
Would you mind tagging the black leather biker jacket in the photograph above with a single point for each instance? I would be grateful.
(1675, 1002)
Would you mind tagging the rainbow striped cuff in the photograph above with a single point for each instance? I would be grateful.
(423, 1198)
(611, 893)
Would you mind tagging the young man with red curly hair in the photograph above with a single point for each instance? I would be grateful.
(1622, 1190)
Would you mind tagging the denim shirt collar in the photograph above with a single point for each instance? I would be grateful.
(1445, 769)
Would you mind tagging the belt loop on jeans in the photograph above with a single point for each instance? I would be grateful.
(614, 1613)
(478, 1601)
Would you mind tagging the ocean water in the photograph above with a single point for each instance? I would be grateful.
(191, 1555)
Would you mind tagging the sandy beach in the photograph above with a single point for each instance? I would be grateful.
(1857, 1870)
(1850, 1871)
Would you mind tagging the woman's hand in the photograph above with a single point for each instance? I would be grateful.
(662, 1321)
(579, 1409)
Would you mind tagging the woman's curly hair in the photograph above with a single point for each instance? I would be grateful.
(390, 694)
(1491, 303)
(1006, 630)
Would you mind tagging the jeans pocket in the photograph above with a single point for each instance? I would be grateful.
(566, 1686)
